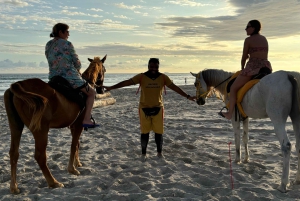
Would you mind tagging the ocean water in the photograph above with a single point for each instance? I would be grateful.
(110, 79)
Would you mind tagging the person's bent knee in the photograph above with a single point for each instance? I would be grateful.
(89, 91)
(92, 92)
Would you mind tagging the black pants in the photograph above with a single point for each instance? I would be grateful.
(145, 140)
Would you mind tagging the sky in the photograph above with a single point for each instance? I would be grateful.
(186, 35)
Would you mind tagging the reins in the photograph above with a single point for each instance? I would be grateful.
(204, 94)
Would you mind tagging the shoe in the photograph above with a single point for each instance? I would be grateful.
(221, 114)
(86, 126)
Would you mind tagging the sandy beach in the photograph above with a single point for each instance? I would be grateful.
(195, 166)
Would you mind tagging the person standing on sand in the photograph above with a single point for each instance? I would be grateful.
(151, 110)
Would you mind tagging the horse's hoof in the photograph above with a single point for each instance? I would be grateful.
(282, 188)
(56, 185)
(78, 164)
(246, 161)
(14, 191)
(74, 171)
(237, 161)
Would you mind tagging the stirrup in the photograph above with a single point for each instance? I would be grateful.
(220, 113)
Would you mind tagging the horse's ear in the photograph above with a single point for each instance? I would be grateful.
(91, 60)
(104, 58)
(194, 74)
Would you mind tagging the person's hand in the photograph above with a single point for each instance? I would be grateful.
(192, 98)
(106, 88)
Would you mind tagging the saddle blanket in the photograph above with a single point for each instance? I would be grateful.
(241, 93)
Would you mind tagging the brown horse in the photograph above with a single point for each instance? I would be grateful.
(35, 104)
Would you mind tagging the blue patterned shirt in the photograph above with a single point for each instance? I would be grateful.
(63, 61)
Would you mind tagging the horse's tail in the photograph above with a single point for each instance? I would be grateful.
(295, 94)
(294, 77)
(35, 101)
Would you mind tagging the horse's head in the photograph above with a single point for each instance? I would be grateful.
(94, 74)
(201, 88)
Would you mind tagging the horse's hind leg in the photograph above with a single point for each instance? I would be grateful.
(16, 127)
(76, 130)
(295, 117)
(279, 127)
(41, 140)
(246, 139)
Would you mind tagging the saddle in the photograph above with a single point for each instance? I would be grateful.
(61, 85)
(240, 94)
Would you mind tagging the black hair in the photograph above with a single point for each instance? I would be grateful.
(58, 27)
(256, 25)
(154, 60)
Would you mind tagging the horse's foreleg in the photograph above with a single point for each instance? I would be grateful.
(237, 139)
(77, 162)
(41, 139)
(246, 139)
(76, 130)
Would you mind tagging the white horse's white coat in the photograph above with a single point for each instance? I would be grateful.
(276, 96)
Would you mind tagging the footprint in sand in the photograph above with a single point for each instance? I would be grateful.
(188, 146)
(186, 160)
(176, 146)
(56, 156)
(86, 172)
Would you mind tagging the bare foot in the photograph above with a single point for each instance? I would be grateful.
(227, 115)
(143, 157)
(159, 155)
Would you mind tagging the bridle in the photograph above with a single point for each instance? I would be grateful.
(198, 86)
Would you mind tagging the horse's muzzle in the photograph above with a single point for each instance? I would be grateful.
(200, 101)
(100, 90)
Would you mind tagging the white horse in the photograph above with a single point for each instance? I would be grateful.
(275, 96)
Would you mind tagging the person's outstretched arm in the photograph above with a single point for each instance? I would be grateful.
(181, 92)
(124, 83)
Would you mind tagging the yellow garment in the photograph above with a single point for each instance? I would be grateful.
(152, 123)
(242, 91)
(151, 90)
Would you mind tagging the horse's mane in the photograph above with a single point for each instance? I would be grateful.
(91, 73)
(214, 77)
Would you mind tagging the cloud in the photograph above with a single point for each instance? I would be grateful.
(136, 50)
(7, 64)
(121, 16)
(229, 28)
(187, 3)
(122, 5)
(43, 64)
(96, 9)
(246, 3)
(17, 3)
(68, 8)
(67, 12)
